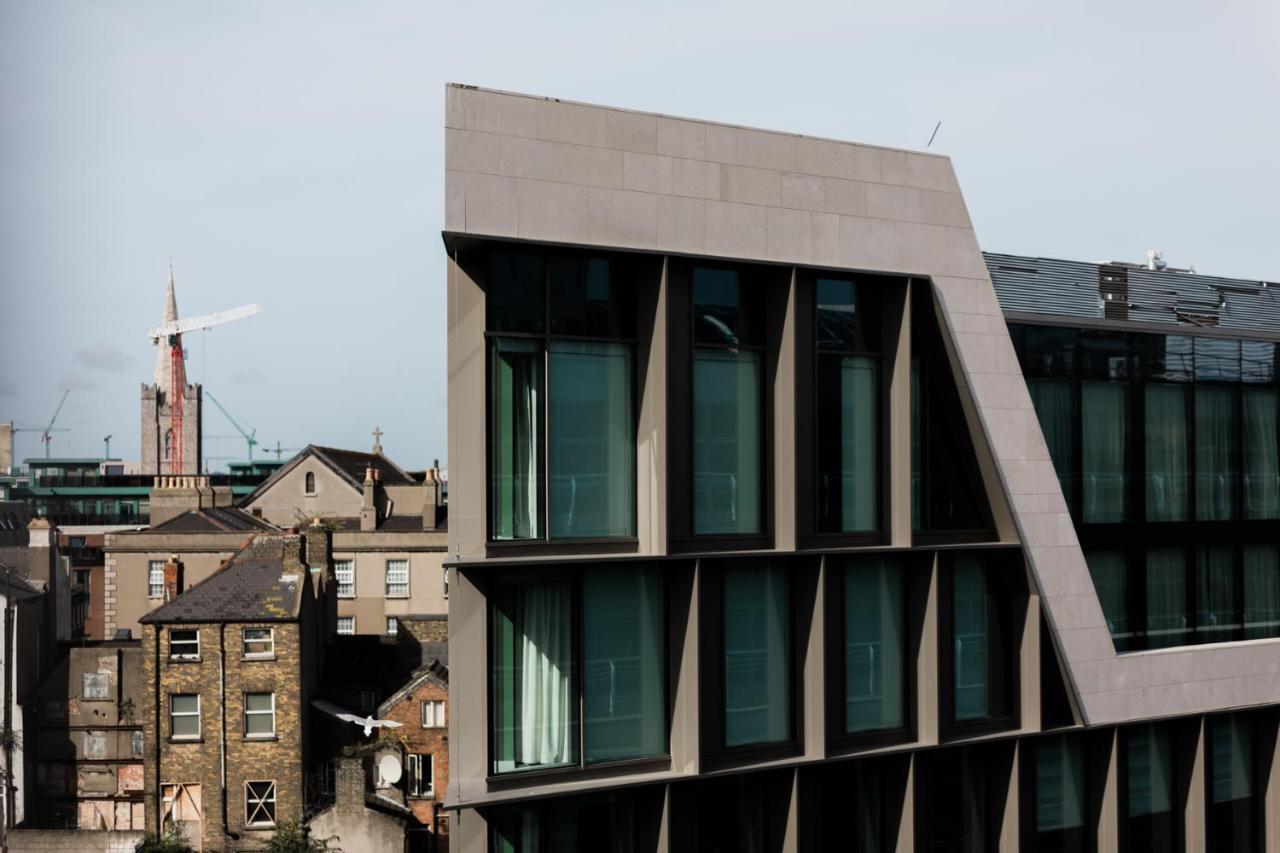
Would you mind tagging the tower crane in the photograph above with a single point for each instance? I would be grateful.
(280, 451)
(170, 335)
(46, 433)
(248, 436)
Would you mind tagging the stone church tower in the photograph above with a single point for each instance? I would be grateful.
(157, 412)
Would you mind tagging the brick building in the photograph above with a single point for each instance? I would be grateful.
(234, 660)
(421, 708)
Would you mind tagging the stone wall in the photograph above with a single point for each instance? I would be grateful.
(354, 827)
(82, 841)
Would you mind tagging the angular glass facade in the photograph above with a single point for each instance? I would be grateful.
(875, 653)
(757, 655)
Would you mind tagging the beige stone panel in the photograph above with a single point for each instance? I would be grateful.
(748, 185)
(802, 192)
(553, 211)
(1078, 611)
(969, 296)
(964, 257)
(930, 172)
(696, 178)
(1050, 530)
(765, 150)
(1046, 503)
(722, 143)
(824, 238)
(893, 167)
(465, 410)
(824, 157)
(528, 158)
(866, 163)
(455, 107)
(841, 196)
(788, 235)
(1060, 570)
(1030, 478)
(582, 164)
(472, 151)
(577, 123)
(921, 248)
(867, 244)
(1000, 390)
(943, 209)
(623, 218)
(631, 131)
(680, 138)
(735, 230)
(498, 113)
(649, 173)
(491, 205)
(891, 202)
(1016, 432)
(455, 201)
(681, 223)
(1087, 644)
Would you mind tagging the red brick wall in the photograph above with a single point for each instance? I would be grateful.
(434, 742)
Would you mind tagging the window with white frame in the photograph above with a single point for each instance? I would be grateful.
(184, 644)
(393, 625)
(259, 642)
(184, 716)
(259, 715)
(96, 685)
(421, 775)
(345, 573)
(432, 711)
(397, 579)
(155, 579)
(346, 624)
(260, 803)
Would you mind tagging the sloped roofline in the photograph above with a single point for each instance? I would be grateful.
(318, 452)
(433, 671)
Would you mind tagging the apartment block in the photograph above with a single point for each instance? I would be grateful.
(762, 535)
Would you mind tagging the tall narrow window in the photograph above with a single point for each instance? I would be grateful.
(728, 414)
(155, 579)
(1055, 405)
(344, 572)
(971, 671)
(397, 578)
(1261, 453)
(1167, 619)
(874, 645)
(1234, 818)
(624, 694)
(309, 483)
(259, 715)
(1218, 616)
(1150, 818)
(1060, 804)
(848, 406)
(1261, 592)
(1110, 574)
(757, 655)
(1104, 415)
(1216, 443)
(1167, 452)
(535, 715)
(561, 411)
(979, 642)
(184, 716)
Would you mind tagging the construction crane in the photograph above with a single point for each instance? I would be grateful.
(248, 436)
(170, 335)
(46, 433)
(106, 450)
(278, 450)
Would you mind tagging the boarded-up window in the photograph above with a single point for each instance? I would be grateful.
(135, 745)
(96, 686)
(183, 810)
(95, 744)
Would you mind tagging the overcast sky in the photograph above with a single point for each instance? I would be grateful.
(291, 154)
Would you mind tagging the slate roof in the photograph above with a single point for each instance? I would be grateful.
(348, 464)
(14, 557)
(222, 519)
(13, 578)
(253, 586)
(396, 523)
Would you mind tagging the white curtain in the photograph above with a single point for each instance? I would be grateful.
(546, 705)
(1150, 759)
(1215, 444)
(1104, 421)
(1167, 621)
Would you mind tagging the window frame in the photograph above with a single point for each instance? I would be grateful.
(391, 589)
(414, 789)
(180, 657)
(573, 575)
(338, 626)
(155, 590)
(1178, 738)
(309, 484)
(1258, 772)
(255, 802)
(1080, 838)
(96, 676)
(631, 263)
(437, 721)
(350, 566)
(270, 654)
(198, 714)
(392, 627)
(270, 714)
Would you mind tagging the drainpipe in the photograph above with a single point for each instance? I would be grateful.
(222, 711)
(10, 801)
(159, 699)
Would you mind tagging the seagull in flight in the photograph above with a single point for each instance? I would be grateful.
(368, 721)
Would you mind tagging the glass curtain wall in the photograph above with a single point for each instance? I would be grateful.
(1060, 803)
(1168, 620)
(607, 624)
(728, 412)
(561, 412)
(1216, 442)
(1104, 474)
(979, 652)
(1261, 453)
(848, 406)
(1151, 821)
(1055, 403)
(1218, 617)
(757, 655)
(1233, 792)
(1167, 452)
(1109, 570)
(1261, 592)
(875, 652)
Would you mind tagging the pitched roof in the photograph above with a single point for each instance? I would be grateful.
(255, 585)
(13, 575)
(222, 519)
(350, 465)
(432, 671)
(14, 557)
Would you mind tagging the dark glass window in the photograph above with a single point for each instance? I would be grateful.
(757, 639)
(1218, 617)
(1050, 350)
(1261, 453)
(735, 814)
(875, 643)
(1103, 355)
(1164, 358)
(621, 821)
(608, 625)
(1110, 573)
(1261, 592)
(978, 639)
(1168, 621)
(1168, 452)
(1150, 820)
(1217, 360)
(1216, 452)
(1234, 796)
(859, 805)
(561, 410)
(1259, 361)
(1104, 413)
(1056, 770)
(847, 332)
(1055, 403)
(728, 408)
(959, 796)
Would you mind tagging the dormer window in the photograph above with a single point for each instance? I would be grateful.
(309, 483)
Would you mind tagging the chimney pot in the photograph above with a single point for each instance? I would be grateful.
(173, 572)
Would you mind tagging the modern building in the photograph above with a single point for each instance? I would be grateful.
(757, 542)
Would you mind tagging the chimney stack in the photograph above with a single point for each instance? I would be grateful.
(368, 509)
(173, 571)
(433, 498)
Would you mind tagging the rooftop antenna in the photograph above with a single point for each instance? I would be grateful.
(106, 450)
(932, 135)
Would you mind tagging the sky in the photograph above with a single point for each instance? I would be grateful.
(291, 154)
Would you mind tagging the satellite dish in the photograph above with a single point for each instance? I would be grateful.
(389, 768)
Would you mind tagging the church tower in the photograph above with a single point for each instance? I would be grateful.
(157, 410)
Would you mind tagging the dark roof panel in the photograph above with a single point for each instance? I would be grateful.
(213, 520)
(255, 585)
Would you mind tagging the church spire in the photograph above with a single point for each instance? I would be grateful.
(163, 366)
